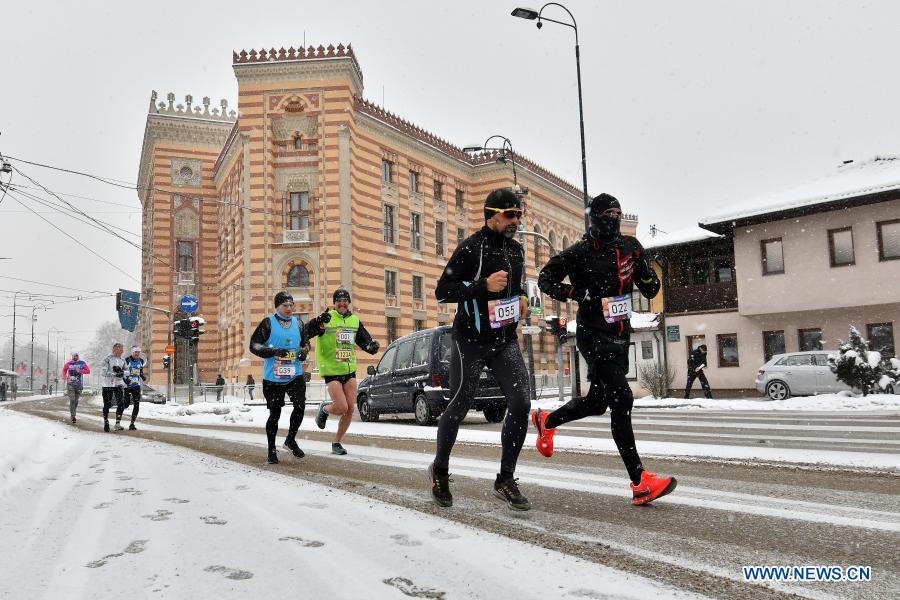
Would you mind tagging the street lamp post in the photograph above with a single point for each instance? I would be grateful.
(33, 319)
(531, 14)
(12, 361)
(506, 149)
(47, 370)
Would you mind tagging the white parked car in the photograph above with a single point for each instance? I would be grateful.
(798, 374)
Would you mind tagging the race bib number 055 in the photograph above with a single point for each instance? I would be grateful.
(503, 312)
(617, 308)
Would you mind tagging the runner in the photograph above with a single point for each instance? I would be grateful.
(72, 373)
(134, 378)
(278, 339)
(602, 269)
(484, 278)
(112, 378)
(336, 356)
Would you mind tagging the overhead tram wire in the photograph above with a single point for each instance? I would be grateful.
(53, 285)
(86, 219)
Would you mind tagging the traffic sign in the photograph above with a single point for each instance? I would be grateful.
(190, 304)
(170, 349)
(531, 329)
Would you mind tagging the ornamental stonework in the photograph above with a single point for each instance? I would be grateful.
(288, 126)
(186, 172)
(187, 224)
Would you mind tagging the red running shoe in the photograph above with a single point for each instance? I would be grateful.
(651, 488)
(544, 441)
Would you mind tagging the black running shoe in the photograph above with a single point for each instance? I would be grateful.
(322, 416)
(336, 448)
(508, 490)
(291, 444)
(132, 427)
(273, 457)
(440, 488)
(106, 426)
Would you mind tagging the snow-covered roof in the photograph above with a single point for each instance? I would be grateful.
(639, 321)
(680, 236)
(849, 180)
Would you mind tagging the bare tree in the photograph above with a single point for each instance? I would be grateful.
(108, 334)
(657, 380)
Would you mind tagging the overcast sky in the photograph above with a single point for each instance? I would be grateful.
(688, 105)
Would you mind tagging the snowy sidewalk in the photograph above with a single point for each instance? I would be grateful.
(91, 515)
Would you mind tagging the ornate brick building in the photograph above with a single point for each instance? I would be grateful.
(309, 187)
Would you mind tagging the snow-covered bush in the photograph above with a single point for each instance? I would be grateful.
(859, 367)
(656, 380)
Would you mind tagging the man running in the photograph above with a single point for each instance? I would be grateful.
(112, 378)
(602, 269)
(336, 356)
(134, 377)
(484, 278)
(278, 339)
(72, 373)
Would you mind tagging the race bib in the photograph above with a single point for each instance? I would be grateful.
(617, 308)
(285, 369)
(343, 354)
(345, 336)
(503, 312)
(135, 372)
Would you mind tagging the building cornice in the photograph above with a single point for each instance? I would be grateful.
(308, 69)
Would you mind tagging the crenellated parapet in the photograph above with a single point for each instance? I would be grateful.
(270, 55)
(188, 109)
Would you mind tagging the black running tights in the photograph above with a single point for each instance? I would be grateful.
(274, 395)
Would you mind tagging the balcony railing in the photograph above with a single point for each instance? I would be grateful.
(703, 297)
(295, 236)
(418, 303)
(391, 300)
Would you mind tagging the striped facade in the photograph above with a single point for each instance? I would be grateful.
(294, 194)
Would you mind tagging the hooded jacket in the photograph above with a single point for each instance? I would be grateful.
(599, 270)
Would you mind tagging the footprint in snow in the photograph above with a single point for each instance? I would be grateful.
(124, 478)
(177, 500)
(444, 535)
(129, 491)
(242, 487)
(590, 594)
(134, 547)
(302, 542)
(408, 588)
(104, 505)
(317, 505)
(229, 573)
(213, 520)
(161, 515)
(404, 540)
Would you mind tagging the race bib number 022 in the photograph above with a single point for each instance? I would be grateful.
(617, 308)
(503, 312)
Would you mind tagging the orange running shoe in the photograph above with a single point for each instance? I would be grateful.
(544, 441)
(651, 488)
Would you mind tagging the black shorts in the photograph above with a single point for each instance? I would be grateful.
(340, 378)
(598, 346)
(274, 392)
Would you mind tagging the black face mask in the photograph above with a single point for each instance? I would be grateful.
(604, 228)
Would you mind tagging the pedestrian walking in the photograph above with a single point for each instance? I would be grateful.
(112, 378)
(220, 386)
(251, 385)
(339, 332)
(603, 269)
(696, 364)
(73, 373)
(278, 339)
(484, 278)
(3, 391)
(134, 379)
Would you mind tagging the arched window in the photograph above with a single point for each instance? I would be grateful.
(298, 277)
(565, 242)
(298, 143)
(552, 237)
(538, 243)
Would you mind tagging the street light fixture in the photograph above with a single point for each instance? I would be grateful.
(33, 319)
(530, 14)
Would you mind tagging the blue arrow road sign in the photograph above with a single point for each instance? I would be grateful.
(189, 304)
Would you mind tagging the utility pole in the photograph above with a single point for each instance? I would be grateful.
(168, 314)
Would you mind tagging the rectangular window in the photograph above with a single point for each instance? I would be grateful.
(460, 204)
(695, 341)
(439, 238)
(391, 329)
(724, 272)
(438, 192)
(415, 231)
(772, 256)
(773, 343)
(888, 240)
(728, 350)
(418, 324)
(881, 338)
(387, 171)
(413, 182)
(390, 232)
(390, 283)
(418, 288)
(638, 302)
(809, 339)
(460, 235)
(646, 349)
(840, 246)
(185, 252)
(699, 272)
(298, 211)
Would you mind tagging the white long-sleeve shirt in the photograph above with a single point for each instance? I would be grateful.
(107, 377)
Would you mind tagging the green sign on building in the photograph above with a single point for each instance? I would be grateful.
(673, 333)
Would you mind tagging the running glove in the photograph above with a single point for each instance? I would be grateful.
(372, 347)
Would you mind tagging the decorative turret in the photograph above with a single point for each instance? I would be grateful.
(188, 110)
(271, 55)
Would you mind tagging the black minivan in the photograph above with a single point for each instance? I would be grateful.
(413, 376)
